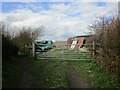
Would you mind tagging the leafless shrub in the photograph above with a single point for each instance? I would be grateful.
(107, 34)
(25, 37)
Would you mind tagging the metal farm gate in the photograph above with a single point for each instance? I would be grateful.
(64, 52)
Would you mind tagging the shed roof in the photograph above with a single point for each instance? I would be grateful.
(83, 36)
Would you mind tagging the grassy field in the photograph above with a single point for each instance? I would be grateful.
(46, 73)
(50, 73)
(53, 73)
(92, 72)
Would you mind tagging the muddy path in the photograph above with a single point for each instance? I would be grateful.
(27, 79)
(75, 80)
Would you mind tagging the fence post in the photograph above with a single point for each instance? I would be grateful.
(93, 49)
(33, 50)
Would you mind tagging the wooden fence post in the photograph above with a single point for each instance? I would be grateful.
(93, 49)
(33, 50)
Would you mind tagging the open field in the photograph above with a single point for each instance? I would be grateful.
(25, 72)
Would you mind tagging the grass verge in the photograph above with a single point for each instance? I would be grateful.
(11, 73)
(95, 75)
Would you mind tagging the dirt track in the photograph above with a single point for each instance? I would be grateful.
(27, 80)
(75, 80)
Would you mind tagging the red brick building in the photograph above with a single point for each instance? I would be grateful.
(77, 41)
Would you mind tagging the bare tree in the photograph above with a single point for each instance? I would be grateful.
(4, 30)
(25, 37)
(37, 32)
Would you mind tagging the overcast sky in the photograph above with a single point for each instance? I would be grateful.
(60, 19)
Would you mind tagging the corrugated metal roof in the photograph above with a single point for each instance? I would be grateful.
(82, 36)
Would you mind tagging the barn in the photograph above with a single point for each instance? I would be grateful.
(77, 42)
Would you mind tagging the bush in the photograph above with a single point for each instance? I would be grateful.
(8, 48)
(107, 34)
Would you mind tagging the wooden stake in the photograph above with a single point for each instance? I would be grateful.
(33, 49)
(93, 49)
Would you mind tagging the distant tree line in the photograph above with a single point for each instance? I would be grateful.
(20, 43)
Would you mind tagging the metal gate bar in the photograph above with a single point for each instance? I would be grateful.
(64, 59)
(64, 53)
